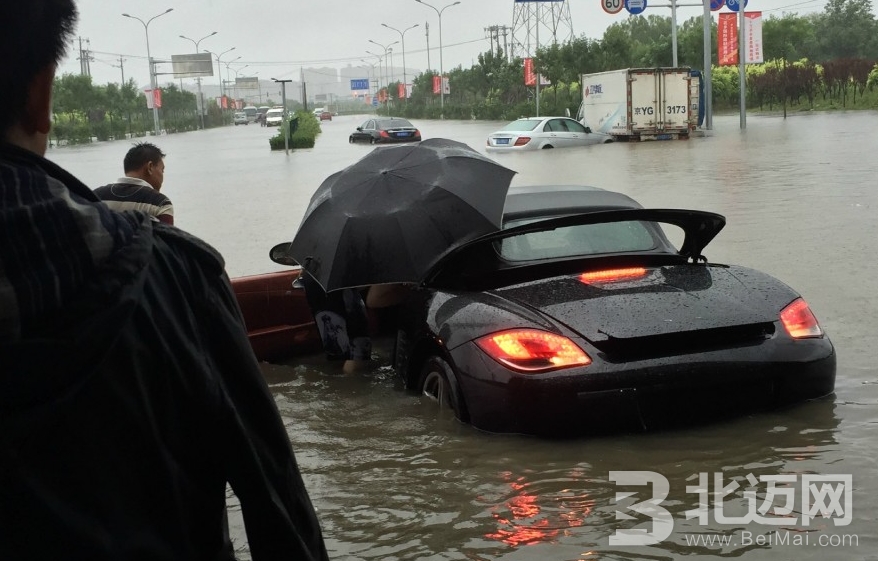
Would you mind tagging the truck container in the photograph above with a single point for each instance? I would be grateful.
(642, 103)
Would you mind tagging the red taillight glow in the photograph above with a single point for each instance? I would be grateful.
(521, 140)
(383, 134)
(532, 350)
(612, 275)
(799, 322)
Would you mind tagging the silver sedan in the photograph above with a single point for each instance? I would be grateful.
(536, 133)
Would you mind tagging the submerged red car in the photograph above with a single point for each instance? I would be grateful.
(581, 316)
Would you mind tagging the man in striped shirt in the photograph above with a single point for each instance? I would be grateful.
(139, 190)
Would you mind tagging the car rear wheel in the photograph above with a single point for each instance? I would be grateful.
(547, 147)
(435, 385)
(372, 140)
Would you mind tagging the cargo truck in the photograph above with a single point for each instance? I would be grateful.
(642, 103)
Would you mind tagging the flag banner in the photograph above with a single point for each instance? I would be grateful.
(753, 35)
(530, 78)
(435, 84)
(400, 91)
(446, 86)
(727, 39)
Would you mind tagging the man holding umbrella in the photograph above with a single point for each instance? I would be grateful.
(386, 221)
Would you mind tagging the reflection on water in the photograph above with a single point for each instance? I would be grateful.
(393, 479)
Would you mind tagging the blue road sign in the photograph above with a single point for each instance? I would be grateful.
(716, 5)
(374, 101)
(635, 7)
(733, 4)
(360, 84)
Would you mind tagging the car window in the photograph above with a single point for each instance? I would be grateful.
(571, 241)
(574, 126)
(394, 124)
(556, 125)
(522, 125)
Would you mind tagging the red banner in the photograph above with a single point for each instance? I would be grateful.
(530, 78)
(727, 39)
(436, 85)
(157, 98)
(400, 91)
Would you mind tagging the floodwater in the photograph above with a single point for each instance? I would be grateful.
(393, 480)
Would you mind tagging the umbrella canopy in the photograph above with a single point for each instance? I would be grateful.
(389, 217)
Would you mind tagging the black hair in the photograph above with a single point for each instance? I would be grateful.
(33, 35)
(140, 155)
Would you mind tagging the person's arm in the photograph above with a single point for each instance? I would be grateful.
(386, 295)
(166, 212)
(255, 450)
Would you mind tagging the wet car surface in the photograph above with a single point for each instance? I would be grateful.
(589, 320)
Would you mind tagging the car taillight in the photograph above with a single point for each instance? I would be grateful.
(533, 350)
(383, 134)
(521, 140)
(612, 275)
(799, 321)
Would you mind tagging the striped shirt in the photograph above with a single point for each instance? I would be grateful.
(131, 193)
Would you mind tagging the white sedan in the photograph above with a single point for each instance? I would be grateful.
(536, 133)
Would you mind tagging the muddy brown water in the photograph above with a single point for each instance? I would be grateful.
(393, 479)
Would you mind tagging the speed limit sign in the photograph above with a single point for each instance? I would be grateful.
(612, 6)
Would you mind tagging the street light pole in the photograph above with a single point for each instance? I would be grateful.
(386, 49)
(152, 80)
(441, 68)
(236, 75)
(284, 124)
(200, 105)
(219, 69)
(402, 38)
(380, 64)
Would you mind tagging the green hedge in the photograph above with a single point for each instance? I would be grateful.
(305, 135)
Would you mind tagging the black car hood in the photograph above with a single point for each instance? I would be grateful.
(666, 300)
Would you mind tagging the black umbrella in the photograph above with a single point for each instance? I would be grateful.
(393, 214)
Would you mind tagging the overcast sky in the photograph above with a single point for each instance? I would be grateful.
(277, 38)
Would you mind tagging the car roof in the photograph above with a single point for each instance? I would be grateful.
(553, 200)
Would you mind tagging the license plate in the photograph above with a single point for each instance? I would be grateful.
(501, 141)
(663, 137)
(403, 134)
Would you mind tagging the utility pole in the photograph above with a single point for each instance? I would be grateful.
(122, 68)
(84, 58)
(427, 32)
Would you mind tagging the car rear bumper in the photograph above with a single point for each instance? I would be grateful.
(646, 394)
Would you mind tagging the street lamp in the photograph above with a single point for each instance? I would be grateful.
(219, 68)
(402, 37)
(236, 73)
(380, 68)
(152, 80)
(371, 72)
(386, 49)
(200, 105)
(441, 69)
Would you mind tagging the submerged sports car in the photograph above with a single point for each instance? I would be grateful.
(581, 316)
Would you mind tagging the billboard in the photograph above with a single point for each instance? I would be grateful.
(247, 83)
(192, 66)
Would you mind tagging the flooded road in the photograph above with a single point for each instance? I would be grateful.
(393, 480)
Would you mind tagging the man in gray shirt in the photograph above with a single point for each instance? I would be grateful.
(139, 190)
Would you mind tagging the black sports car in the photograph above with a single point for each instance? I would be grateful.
(581, 316)
(383, 130)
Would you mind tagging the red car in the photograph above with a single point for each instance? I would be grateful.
(326, 116)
